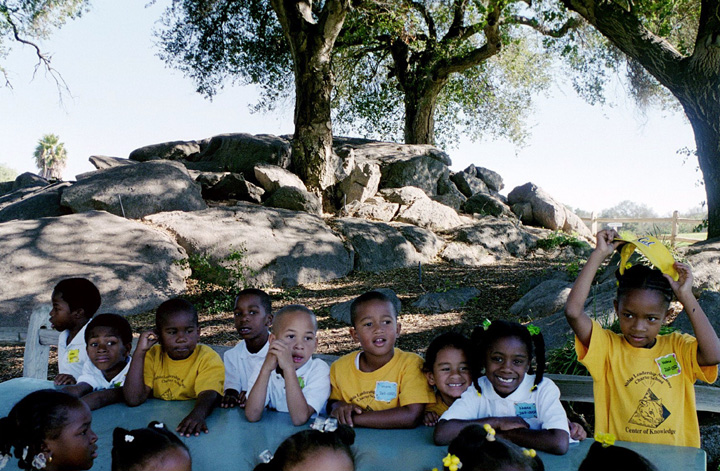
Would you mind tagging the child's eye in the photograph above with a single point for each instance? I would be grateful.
(111, 343)
(368, 324)
(291, 336)
(93, 344)
(652, 319)
(308, 339)
(464, 368)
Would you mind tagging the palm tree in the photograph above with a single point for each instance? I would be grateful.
(50, 157)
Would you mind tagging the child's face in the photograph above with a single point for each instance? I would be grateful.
(75, 448)
(179, 334)
(106, 351)
(251, 320)
(506, 363)
(172, 459)
(324, 459)
(376, 328)
(61, 316)
(641, 313)
(297, 331)
(450, 374)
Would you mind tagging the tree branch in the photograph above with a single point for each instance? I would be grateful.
(571, 23)
(43, 60)
(626, 31)
(428, 18)
(458, 16)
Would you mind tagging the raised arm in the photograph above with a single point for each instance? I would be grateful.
(134, 390)
(708, 353)
(580, 322)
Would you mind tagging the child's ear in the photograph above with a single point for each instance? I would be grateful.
(430, 377)
(269, 320)
(615, 303)
(271, 337)
(398, 329)
(353, 334)
(78, 313)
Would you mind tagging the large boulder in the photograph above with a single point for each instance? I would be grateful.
(361, 183)
(281, 247)
(296, 199)
(378, 246)
(487, 205)
(468, 184)
(422, 171)
(545, 299)
(38, 203)
(387, 152)
(101, 162)
(28, 180)
(231, 186)
(175, 150)
(545, 211)
(272, 177)
(425, 242)
(449, 300)
(418, 209)
(373, 208)
(241, 152)
(133, 266)
(137, 190)
(466, 255)
(449, 195)
(492, 179)
(341, 311)
(501, 237)
(704, 257)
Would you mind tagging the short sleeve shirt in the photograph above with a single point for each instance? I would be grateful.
(72, 356)
(240, 365)
(179, 380)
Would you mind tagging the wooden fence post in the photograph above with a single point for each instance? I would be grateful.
(673, 233)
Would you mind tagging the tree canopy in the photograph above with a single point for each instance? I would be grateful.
(50, 157)
(7, 174)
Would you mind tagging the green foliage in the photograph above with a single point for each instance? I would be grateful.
(564, 361)
(560, 239)
(7, 174)
(228, 41)
(213, 301)
(228, 272)
(573, 268)
(50, 157)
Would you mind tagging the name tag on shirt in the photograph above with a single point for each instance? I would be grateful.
(668, 365)
(526, 410)
(385, 391)
(73, 356)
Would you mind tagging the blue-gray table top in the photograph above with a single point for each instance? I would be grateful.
(234, 444)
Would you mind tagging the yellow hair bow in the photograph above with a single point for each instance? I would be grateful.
(490, 432)
(529, 453)
(452, 462)
(606, 439)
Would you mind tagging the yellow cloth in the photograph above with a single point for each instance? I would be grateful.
(396, 384)
(645, 394)
(179, 380)
(439, 407)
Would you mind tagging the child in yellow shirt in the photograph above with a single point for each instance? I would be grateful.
(169, 364)
(380, 386)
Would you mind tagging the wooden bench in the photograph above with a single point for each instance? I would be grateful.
(40, 336)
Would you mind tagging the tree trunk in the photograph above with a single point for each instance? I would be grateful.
(312, 140)
(705, 121)
(420, 117)
(311, 42)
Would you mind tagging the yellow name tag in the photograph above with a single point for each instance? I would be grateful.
(73, 356)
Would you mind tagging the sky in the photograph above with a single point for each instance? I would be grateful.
(122, 96)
